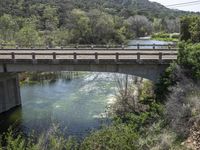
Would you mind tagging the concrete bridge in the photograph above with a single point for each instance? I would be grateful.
(147, 61)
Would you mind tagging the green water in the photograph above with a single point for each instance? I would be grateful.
(77, 106)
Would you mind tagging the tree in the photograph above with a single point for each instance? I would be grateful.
(104, 28)
(8, 27)
(50, 18)
(185, 34)
(80, 26)
(195, 30)
(157, 25)
(170, 25)
(62, 37)
(139, 25)
(28, 35)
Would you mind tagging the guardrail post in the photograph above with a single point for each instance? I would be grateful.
(1, 46)
(54, 58)
(96, 56)
(47, 47)
(138, 46)
(75, 56)
(76, 46)
(54, 55)
(16, 46)
(160, 57)
(13, 56)
(116, 57)
(61, 47)
(138, 56)
(33, 56)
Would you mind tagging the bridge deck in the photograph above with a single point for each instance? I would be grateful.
(136, 52)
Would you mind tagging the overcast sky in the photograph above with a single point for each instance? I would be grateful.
(191, 7)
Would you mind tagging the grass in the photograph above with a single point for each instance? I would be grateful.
(173, 37)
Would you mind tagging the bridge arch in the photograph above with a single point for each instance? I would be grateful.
(148, 71)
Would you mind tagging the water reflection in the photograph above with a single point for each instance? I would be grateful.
(77, 105)
(148, 41)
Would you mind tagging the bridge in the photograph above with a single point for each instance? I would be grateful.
(147, 61)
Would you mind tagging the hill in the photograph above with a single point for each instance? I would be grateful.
(84, 21)
(124, 8)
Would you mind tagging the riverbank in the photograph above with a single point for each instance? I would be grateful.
(168, 37)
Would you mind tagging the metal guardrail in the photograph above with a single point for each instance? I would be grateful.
(162, 47)
(96, 55)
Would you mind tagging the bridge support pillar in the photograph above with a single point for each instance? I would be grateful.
(9, 91)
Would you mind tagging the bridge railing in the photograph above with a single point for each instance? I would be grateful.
(91, 47)
(160, 56)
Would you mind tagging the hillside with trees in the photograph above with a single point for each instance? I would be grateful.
(61, 22)
(164, 116)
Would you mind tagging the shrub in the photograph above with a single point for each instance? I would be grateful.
(189, 59)
(175, 35)
(53, 140)
(182, 105)
(190, 28)
(168, 79)
(161, 35)
(114, 137)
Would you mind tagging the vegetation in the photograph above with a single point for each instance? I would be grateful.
(166, 37)
(144, 116)
(83, 22)
(190, 29)
(50, 77)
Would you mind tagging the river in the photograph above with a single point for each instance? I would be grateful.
(77, 106)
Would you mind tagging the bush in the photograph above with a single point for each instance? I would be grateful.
(190, 28)
(175, 35)
(189, 59)
(161, 35)
(166, 37)
(114, 137)
(53, 140)
(168, 79)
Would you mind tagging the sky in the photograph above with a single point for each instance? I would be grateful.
(192, 7)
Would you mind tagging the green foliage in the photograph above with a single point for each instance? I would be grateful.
(28, 36)
(8, 28)
(161, 35)
(166, 37)
(167, 79)
(195, 30)
(189, 59)
(14, 143)
(139, 26)
(62, 37)
(54, 140)
(50, 18)
(85, 22)
(80, 26)
(147, 93)
(114, 137)
(190, 28)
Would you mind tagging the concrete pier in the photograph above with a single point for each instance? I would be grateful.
(9, 91)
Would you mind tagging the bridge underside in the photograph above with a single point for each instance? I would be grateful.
(146, 69)
(9, 91)
(9, 84)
